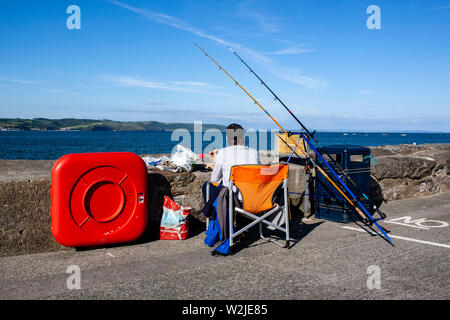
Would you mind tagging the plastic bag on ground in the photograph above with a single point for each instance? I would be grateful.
(174, 224)
(184, 157)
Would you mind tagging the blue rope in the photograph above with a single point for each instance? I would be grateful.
(154, 163)
(370, 157)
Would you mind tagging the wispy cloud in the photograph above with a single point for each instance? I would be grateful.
(289, 74)
(22, 81)
(169, 20)
(195, 84)
(294, 76)
(60, 92)
(188, 86)
(153, 103)
(265, 23)
(291, 50)
(366, 124)
(188, 114)
(292, 47)
(365, 91)
(4, 79)
(125, 81)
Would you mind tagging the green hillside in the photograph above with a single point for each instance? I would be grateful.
(95, 125)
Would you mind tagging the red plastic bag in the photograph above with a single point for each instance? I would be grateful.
(174, 224)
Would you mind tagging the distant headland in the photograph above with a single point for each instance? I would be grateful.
(71, 124)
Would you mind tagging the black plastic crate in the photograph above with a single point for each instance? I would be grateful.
(329, 203)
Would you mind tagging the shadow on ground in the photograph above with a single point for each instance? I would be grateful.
(160, 187)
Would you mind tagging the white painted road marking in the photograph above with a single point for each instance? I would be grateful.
(422, 223)
(402, 238)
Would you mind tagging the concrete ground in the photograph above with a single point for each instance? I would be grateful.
(328, 261)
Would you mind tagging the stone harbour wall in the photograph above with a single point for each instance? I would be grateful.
(406, 171)
(400, 172)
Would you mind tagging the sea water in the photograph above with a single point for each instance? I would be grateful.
(54, 144)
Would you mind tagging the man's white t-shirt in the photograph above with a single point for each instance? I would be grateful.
(232, 156)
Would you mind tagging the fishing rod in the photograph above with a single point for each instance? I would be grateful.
(311, 136)
(365, 215)
(368, 221)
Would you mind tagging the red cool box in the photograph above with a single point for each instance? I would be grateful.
(98, 198)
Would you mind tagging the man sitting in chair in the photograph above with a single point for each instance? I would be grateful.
(237, 153)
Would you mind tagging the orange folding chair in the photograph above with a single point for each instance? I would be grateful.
(259, 186)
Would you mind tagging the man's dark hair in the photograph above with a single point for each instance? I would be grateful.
(235, 134)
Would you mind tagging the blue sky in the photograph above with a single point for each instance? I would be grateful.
(136, 60)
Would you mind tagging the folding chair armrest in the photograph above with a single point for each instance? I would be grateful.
(208, 184)
(230, 212)
(207, 190)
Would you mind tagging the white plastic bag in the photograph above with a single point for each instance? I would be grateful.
(184, 157)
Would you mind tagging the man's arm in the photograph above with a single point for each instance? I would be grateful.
(216, 175)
